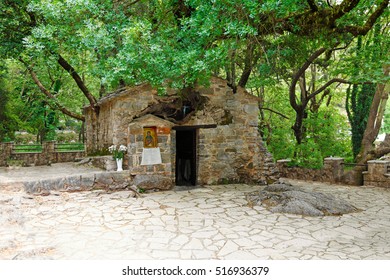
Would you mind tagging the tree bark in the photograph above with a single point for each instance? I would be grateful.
(249, 61)
(368, 151)
(374, 121)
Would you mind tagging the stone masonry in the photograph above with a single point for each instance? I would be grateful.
(48, 155)
(332, 171)
(229, 146)
(378, 173)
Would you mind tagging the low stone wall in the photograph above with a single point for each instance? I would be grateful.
(377, 174)
(109, 181)
(47, 156)
(332, 171)
(143, 179)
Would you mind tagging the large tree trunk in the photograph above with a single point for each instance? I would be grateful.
(374, 121)
(367, 150)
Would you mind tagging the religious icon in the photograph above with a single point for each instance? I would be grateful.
(150, 137)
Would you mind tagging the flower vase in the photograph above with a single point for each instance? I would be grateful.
(119, 162)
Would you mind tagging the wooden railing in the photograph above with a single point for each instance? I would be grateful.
(69, 147)
(27, 148)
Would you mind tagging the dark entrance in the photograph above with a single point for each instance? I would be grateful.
(186, 157)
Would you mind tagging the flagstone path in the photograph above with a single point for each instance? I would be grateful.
(212, 222)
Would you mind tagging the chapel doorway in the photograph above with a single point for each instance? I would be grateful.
(186, 157)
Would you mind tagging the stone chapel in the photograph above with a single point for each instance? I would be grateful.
(209, 136)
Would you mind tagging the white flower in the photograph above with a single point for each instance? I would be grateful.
(112, 148)
(122, 148)
(117, 153)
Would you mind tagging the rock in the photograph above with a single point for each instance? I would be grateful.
(285, 198)
(42, 192)
(87, 181)
(150, 182)
(277, 187)
(82, 161)
(297, 207)
(103, 162)
(118, 186)
(103, 179)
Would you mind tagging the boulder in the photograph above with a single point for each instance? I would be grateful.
(285, 198)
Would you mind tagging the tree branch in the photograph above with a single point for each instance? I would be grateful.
(380, 152)
(345, 7)
(312, 5)
(49, 94)
(249, 61)
(327, 84)
(64, 64)
(273, 111)
(315, 19)
(300, 72)
(363, 30)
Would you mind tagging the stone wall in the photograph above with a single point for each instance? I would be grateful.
(47, 156)
(231, 151)
(332, 171)
(377, 174)
(156, 176)
(115, 113)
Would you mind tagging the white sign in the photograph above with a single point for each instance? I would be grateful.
(151, 156)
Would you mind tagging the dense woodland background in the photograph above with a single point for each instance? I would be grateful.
(320, 68)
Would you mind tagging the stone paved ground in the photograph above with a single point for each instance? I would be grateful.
(212, 222)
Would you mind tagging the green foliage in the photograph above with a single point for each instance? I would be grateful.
(40, 116)
(181, 43)
(24, 138)
(66, 137)
(4, 123)
(368, 59)
(15, 24)
(308, 154)
(327, 133)
(8, 123)
(358, 106)
(141, 190)
(386, 120)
